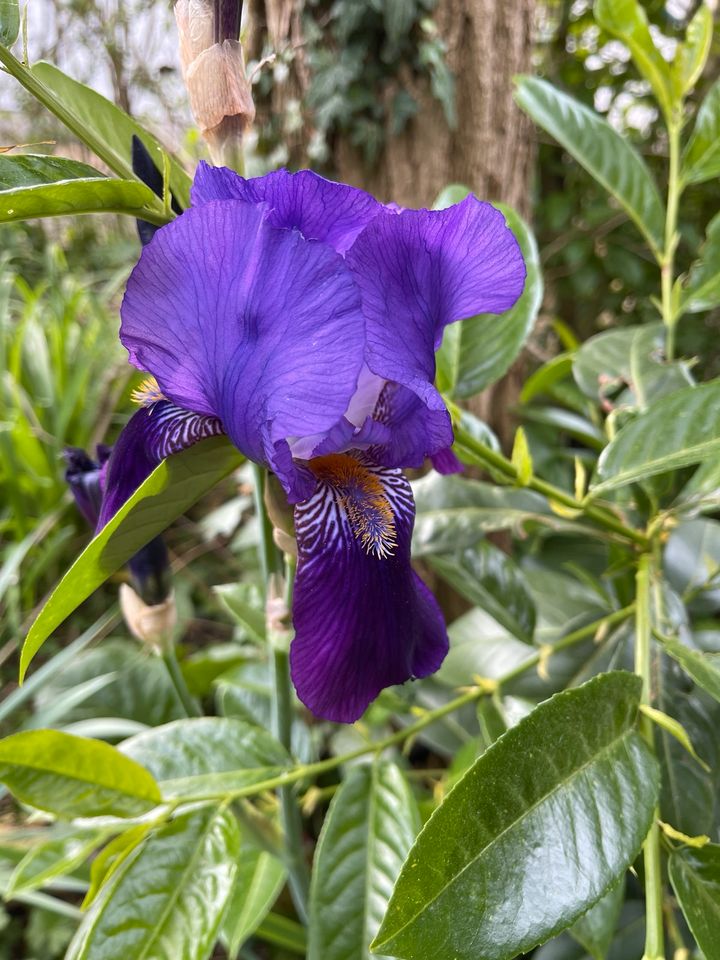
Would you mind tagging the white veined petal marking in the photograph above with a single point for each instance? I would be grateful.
(361, 494)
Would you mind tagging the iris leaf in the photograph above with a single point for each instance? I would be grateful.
(174, 486)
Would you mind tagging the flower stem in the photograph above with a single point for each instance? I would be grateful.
(399, 736)
(667, 260)
(282, 710)
(487, 457)
(654, 934)
(178, 681)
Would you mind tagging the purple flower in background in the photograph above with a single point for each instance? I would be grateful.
(301, 318)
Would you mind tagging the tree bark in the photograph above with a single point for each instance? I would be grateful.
(491, 149)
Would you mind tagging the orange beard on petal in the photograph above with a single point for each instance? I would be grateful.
(361, 494)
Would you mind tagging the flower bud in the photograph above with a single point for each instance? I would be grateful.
(213, 68)
(152, 624)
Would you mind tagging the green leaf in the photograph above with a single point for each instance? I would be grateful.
(111, 124)
(524, 823)
(112, 856)
(283, 932)
(604, 153)
(521, 458)
(369, 829)
(596, 929)
(692, 53)
(73, 776)
(207, 756)
(628, 359)
(174, 486)
(701, 157)
(695, 876)
(78, 196)
(31, 169)
(105, 128)
(678, 430)
(168, 896)
(546, 377)
(260, 878)
(9, 22)
(65, 850)
(245, 604)
(480, 350)
(627, 20)
(451, 512)
(675, 729)
(702, 290)
(704, 668)
(491, 580)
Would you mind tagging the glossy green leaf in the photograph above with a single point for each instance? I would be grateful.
(168, 896)
(73, 776)
(451, 512)
(283, 932)
(97, 122)
(701, 157)
(688, 792)
(680, 429)
(561, 804)
(691, 561)
(112, 856)
(692, 53)
(626, 366)
(695, 876)
(604, 153)
(75, 197)
(207, 756)
(174, 486)
(260, 878)
(704, 668)
(491, 580)
(111, 124)
(481, 349)
(596, 929)
(627, 20)
(31, 170)
(9, 22)
(368, 831)
(545, 377)
(702, 290)
(60, 854)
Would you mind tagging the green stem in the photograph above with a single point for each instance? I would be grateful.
(667, 261)
(470, 696)
(178, 681)
(654, 934)
(282, 712)
(488, 457)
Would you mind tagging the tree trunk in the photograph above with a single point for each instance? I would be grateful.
(491, 150)
(488, 42)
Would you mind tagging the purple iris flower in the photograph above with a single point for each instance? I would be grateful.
(301, 318)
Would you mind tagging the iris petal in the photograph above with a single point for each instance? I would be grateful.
(320, 209)
(418, 271)
(362, 621)
(151, 434)
(249, 323)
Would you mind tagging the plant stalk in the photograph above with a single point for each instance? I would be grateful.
(399, 736)
(654, 933)
(500, 464)
(178, 681)
(282, 710)
(667, 262)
